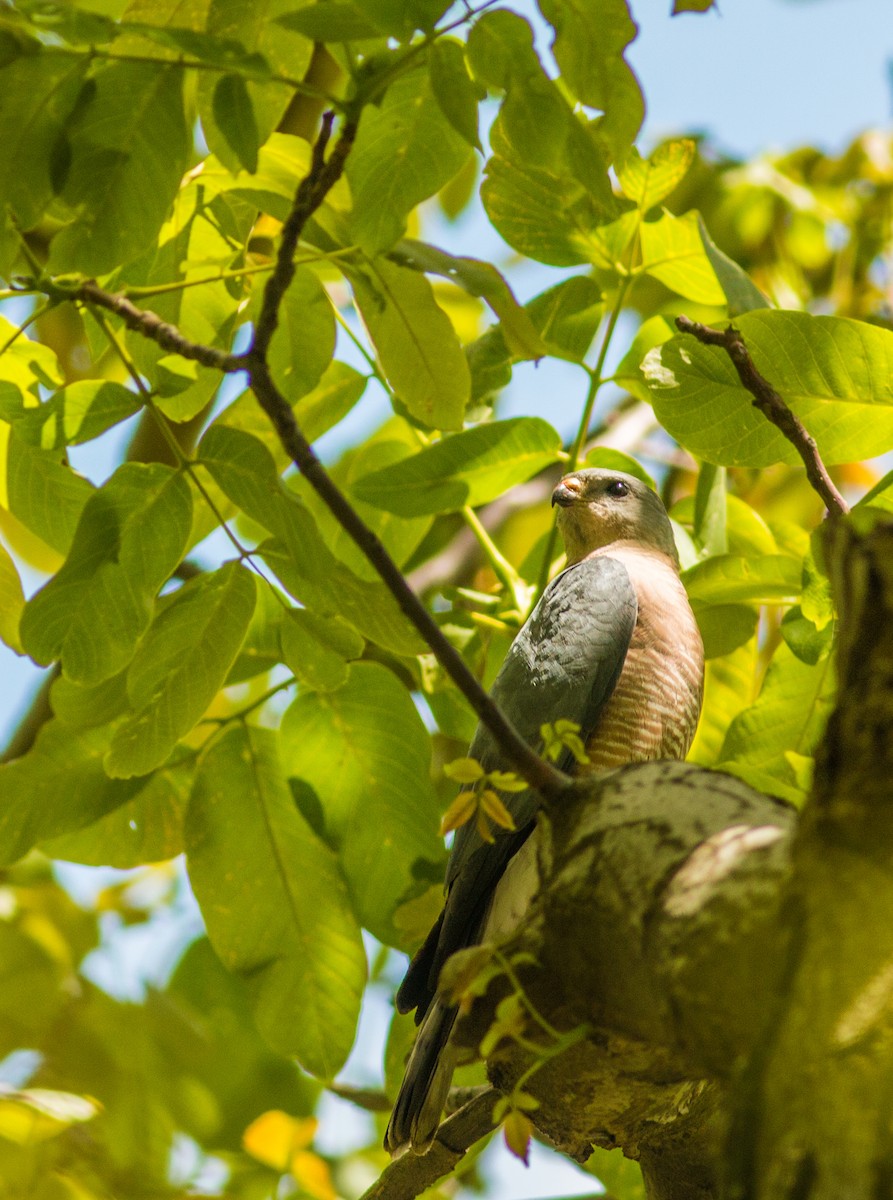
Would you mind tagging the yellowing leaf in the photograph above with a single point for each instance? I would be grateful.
(312, 1173)
(483, 827)
(461, 810)
(507, 781)
(464, 770)
(36, 1114)
(496, 810)
(275, 1138)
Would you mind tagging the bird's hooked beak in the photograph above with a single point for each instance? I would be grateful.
(568, 491)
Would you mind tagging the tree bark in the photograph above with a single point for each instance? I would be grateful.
(659, 931)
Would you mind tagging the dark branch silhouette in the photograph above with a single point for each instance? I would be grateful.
(772, 406)
(324, 173)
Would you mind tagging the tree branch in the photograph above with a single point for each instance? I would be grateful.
(412, 1174)
(150, 325)
(771, 405)
(322, 176)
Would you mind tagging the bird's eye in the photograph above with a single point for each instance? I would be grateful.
(617, 488)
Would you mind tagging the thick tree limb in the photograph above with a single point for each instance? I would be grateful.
(658, 930)
(772, 406)
(811, 1119)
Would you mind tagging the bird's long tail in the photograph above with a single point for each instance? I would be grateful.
(426, 1083)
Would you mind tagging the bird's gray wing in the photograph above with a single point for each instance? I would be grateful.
(564, 663)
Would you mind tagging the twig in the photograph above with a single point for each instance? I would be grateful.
(771, 405)
(312, 190)
(412, 1174)
(150, 325)
(369, 1099)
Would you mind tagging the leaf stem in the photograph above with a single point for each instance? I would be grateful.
(503, 569)
(596, 380)
(94, 52)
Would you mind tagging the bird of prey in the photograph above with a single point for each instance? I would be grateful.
(613, 647)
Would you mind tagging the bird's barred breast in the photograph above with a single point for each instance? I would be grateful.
(653, 712)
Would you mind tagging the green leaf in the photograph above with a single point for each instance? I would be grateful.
(610, 246)
(84, 706)
(616, 460)
(788, 716)
(44, 493)
(672, 251)
(329, 401)
(805, 640)
(366, 754)
(282, 163)
(59, 785)
(260, 651)
(710, 512)
(146, 828)
(304, 341)
(620, 1177)
(415, 341)
(334, 21)
(400, 536)
(12, 602)
(401, 18)
(215, 51)
(32, 130)
(534, 118)
(540, 213)
(453, 89)
(588, 47)
(332, 399)
(129, 146)
(26, 365)
(742, 294)
(566, 317)
(194, 244)
(729, 682)
(734, 579)
(234, 114)
(180, 665)
(835, 374)
(648, 181)
(472, 468)
(724, 627)
(695, 6)
(317, 649)
(478, 279)
(76, 414)
(129, 539)
(274, 902)
(747, 532)
(255, 29)
(244, 469)
(405, 151)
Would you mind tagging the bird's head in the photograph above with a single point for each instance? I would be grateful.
(599, 507)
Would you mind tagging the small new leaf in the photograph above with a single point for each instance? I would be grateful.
(506, 781)
(493, 807)
(464, 770)
(516, 1131)
(563, 735)
(460, 811)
